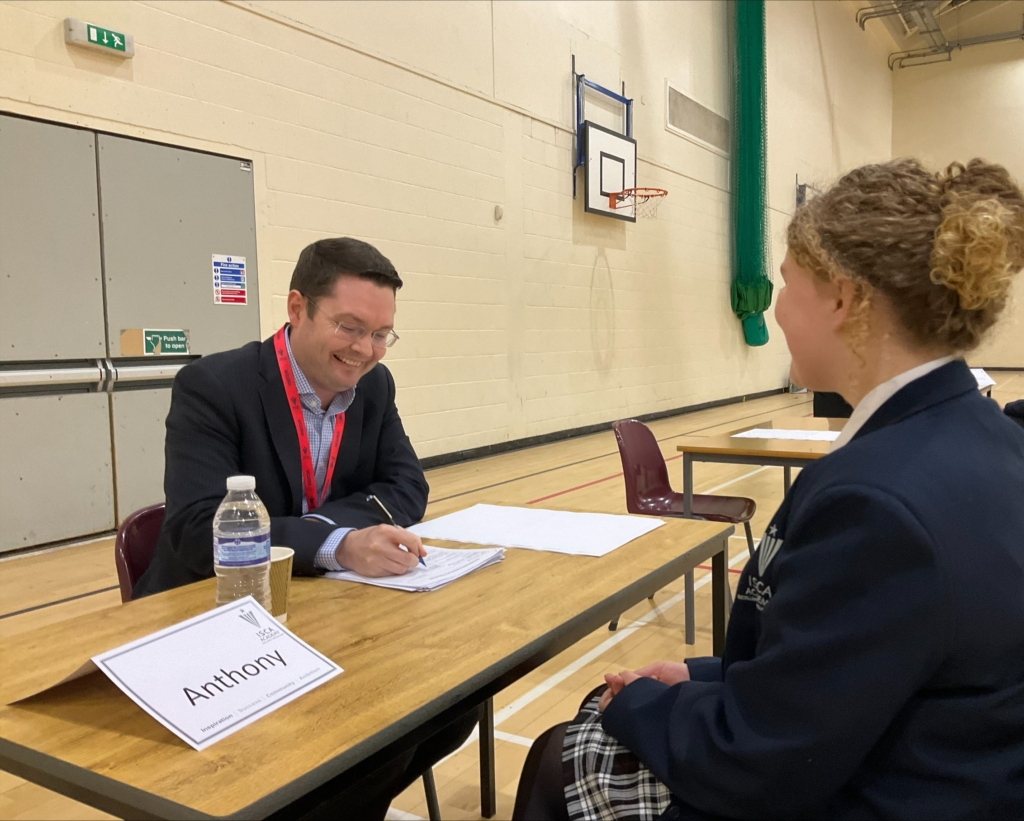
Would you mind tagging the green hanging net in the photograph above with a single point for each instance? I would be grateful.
(751, 291)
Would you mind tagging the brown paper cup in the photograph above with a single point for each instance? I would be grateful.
(280, 581)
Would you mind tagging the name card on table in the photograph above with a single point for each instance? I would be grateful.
(214, 674)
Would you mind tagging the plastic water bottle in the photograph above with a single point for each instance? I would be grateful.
(241, 544)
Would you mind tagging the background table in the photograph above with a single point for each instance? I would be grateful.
(413, 661)
(784, 453)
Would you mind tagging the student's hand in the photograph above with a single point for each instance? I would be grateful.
(375, 551)
(667, 672)
(615, 684)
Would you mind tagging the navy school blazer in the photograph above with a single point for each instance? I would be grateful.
(874, 660)
(229, 415)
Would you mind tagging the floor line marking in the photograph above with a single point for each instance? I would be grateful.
(571, 489)
(602, 455)
(59, 601)
(617, 475)
(25, 552)
(395, 814)
(513, 739)
(737, 479)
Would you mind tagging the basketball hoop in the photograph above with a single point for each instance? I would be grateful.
(645, 200)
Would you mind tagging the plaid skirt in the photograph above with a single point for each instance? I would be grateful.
(603, 780)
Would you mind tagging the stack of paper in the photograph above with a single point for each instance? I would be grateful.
(776, 433)
(983, 379)
(443, 567)
(557, 531)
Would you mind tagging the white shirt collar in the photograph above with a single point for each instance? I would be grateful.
(307, 395)
(881, 394)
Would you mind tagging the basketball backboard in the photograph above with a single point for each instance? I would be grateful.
(609, 166)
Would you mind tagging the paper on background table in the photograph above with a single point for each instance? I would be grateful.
(155, 670)
(444, 566)
(556, 531)
(982, 378)
(775, 433)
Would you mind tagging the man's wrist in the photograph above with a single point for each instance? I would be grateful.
(328, 553)
(340, 549)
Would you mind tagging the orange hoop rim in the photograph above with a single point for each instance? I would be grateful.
(635, 196)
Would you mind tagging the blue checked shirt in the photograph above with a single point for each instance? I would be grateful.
(320, 430)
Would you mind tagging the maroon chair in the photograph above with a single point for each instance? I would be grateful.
(133, 548)
(649, 493)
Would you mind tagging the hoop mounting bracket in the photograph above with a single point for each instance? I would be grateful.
(580, 85)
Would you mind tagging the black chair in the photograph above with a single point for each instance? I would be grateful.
(831, 406)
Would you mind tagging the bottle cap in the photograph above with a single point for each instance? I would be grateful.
(241, 483)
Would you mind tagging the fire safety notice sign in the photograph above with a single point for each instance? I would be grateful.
(229, 280)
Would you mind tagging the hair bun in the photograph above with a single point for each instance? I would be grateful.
(970, 254)
(949, 179)
(979, 245)
(939, 249)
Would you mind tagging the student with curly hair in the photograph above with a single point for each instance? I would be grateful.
(874, 661)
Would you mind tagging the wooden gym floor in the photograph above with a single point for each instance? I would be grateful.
(578, 474)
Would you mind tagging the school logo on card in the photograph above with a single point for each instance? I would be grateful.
(265, 633)
(770, 545)
(249, 616)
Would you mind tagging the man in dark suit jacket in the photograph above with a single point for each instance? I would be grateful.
(316, 386)
(230, 415)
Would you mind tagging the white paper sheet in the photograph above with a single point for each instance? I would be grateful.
(983, 379)
(209, 676)
(556, 531)
(444, 566)
(803, 435)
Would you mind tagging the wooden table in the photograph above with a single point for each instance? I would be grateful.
(413, 662)
(784, 453)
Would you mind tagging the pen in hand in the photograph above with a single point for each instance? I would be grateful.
(388, 518)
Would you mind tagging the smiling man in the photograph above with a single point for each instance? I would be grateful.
(311, 414)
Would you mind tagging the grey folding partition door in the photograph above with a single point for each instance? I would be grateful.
(55, 447)
(100, 235)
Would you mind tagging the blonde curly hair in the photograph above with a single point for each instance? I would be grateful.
(941, 248)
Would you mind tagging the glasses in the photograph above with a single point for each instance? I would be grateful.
(378, 339)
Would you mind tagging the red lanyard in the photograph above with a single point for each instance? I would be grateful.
(284, 364)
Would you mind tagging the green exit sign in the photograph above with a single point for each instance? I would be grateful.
(164, 343)
(108, 38)
(80, 33)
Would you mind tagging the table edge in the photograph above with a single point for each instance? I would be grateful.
(805, 455)
(115, 797)
(128, 801)
(539, 650)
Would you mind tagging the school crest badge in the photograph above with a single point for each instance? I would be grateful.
(770, 545)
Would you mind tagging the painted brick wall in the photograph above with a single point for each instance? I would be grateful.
(406, 124)
(972, 106)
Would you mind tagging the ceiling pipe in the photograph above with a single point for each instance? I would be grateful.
(874, 13)
(928, 26)
(920, 15)
(943, 54)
